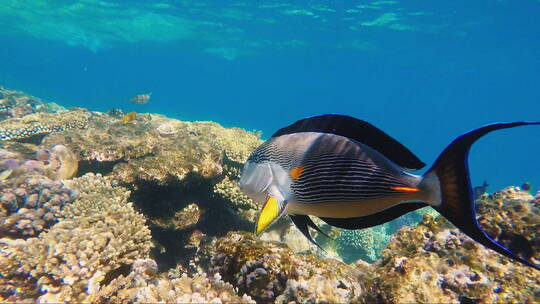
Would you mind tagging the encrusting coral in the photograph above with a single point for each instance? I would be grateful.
(42, 123)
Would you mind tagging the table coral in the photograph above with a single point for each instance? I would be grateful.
(42, 123)
(271, 272)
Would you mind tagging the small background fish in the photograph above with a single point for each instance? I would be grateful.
(141, 98)
(129, 117)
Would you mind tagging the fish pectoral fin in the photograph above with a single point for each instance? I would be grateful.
(271, 211)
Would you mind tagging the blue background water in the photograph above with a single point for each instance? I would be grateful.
(423, 72)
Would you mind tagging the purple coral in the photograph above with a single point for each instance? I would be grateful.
(30, 205)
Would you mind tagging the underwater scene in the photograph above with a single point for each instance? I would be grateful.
(338, 151)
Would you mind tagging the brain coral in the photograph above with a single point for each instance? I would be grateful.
(66, 263)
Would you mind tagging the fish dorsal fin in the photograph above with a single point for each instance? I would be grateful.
(360, 131)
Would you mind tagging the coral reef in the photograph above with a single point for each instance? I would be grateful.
(368, 244)
(365, 244)
(88, 239)
(42, 123)
(14, 104)
(436, 263)
(228, 189)
(182, 219)
(155, 148)
(58, 163)
(30, 204)
(142, 285)
(512, 217)
(270, 272)
(91, 244)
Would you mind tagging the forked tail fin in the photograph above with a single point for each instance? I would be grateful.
(457, 203)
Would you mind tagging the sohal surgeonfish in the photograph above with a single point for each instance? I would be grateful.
(352, 175)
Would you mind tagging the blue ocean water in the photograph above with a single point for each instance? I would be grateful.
(424, 72)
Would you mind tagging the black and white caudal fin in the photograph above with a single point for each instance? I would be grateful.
(456, 195)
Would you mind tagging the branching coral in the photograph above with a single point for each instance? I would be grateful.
(229, 190)
(30, 204)
(97, 237)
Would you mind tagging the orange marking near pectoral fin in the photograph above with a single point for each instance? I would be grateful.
(296, 172)
(406, 189)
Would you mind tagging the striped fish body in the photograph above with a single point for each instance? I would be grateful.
(326, 175)
(352, 175)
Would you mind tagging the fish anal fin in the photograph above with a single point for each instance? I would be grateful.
(302, 222)
(375, 219)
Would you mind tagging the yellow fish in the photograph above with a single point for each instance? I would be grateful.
(129, 117)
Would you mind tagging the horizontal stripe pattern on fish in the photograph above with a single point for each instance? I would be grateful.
(333, 179)
(270, 152)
